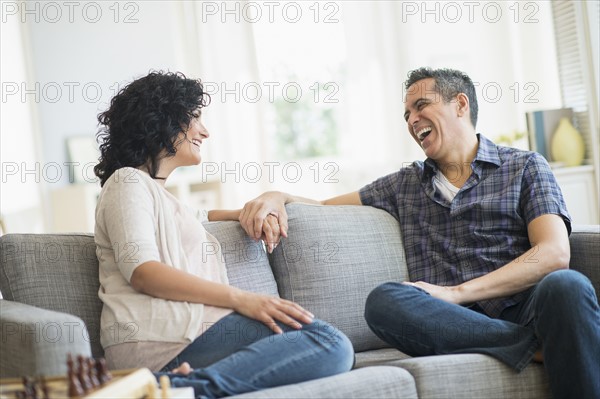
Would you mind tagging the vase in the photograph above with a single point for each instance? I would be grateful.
(567, 144)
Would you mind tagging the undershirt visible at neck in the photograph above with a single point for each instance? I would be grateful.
(444, 187)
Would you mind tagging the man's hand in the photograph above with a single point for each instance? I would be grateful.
(253, 217)
(255, 212)
(448, 294)
(268, 309)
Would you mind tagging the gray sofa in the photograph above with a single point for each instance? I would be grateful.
(333, 258)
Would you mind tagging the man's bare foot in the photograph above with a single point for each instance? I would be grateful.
(184, 368)
(538, 356)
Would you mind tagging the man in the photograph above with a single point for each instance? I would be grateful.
(485, 232)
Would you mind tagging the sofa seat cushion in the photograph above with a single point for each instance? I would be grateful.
(474, 376)
(247, 263)
(332, 259)
(57, 272)
(369, 382)
(378, 357)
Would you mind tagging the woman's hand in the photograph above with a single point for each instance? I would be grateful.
(253, 215)
(271, 232)
(268, 309)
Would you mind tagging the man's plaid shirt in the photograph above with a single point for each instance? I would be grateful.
(483, 228)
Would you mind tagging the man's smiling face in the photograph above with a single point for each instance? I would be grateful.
(432, 122)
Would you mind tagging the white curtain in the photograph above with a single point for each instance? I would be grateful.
(22, 173)
(375, 133)
(224, 56)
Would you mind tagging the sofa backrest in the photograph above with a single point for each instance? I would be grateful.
(333, 257)
(247, 261)
(59, 272)
(336, 255)
(56, 272)
(585, 252)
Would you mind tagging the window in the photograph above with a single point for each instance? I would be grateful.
(575, 55)
(303, 62)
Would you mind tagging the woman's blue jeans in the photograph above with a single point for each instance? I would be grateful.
(561, 313)
(238, 354)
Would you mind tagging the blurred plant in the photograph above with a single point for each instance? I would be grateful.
(508, 139)
(305, 129)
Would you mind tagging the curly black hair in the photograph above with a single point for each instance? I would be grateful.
(145, 118)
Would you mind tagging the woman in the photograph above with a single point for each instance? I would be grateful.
(168, 305)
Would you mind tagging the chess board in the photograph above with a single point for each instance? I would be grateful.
(134, 383)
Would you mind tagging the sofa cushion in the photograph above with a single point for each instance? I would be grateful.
(369, 382)
(60, 271)
(247, 262)
(474, 376)
(378, 357)
(333, 257)
(38, 340)
(56, 272)
(585, 252)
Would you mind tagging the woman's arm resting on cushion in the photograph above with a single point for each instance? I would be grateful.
(162, 281)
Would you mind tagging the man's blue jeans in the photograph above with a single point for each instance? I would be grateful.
(238, 354)
(561, 312)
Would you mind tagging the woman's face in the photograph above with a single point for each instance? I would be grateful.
(190, 142)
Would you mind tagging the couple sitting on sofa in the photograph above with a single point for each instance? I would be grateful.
(485, 232)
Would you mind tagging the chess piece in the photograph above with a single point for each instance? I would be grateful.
(102, 371)
(91, 366)
(30, 391)
(83, 374)
(165, 387)
(75, 389)
(152, 391)
(45, 389)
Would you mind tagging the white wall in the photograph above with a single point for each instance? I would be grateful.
(76, 58)
(96, 58)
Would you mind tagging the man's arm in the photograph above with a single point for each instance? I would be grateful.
(254, 212)
(549, 252)
(346, 199)
(254, 216)
(217, 215)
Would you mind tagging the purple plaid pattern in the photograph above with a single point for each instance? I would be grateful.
(482, 229)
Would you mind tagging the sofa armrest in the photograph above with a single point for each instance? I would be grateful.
(585, 252)
(36, 341)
